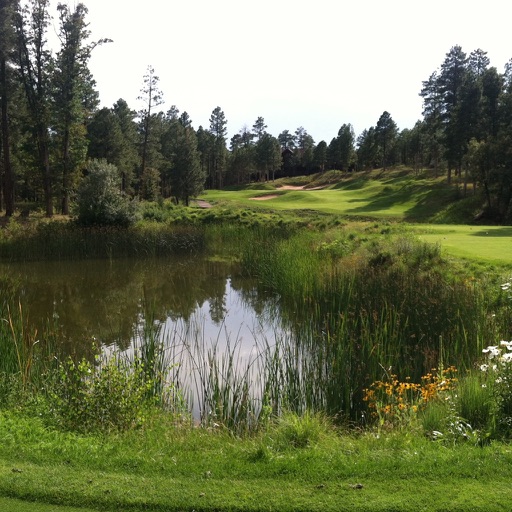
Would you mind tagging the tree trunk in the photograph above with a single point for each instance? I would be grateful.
(8, 179)
(44, 162)
(65, 174)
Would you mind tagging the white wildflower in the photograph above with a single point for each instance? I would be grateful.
(492, 351)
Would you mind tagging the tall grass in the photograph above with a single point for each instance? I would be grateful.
(392, 307)
(25, 353)
(59, 241)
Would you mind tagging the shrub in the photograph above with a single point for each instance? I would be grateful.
(113, 396)
(100, 200)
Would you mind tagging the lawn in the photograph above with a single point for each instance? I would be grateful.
(396, 196)
(489, 244)
(171, 470)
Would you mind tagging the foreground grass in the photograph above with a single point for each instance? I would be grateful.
(169, 468)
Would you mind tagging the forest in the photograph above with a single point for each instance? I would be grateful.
(52, 128)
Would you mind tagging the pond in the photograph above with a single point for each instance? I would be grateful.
(202, 308)
(233, 347)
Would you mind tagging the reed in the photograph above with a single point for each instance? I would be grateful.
(59, 241)
(351, 310)
(26, 355)
(352, 317)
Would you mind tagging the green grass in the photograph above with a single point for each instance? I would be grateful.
(299, 463)
(17, 505)
(394, 195)
(397, 196)
(169, 468)
(489, 244)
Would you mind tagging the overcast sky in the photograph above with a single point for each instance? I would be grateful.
(317, 64)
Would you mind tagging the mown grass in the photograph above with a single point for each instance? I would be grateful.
(489, 244)
(432, 209)
(390, 194)
(167, 468)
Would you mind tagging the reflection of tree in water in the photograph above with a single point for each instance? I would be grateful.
(106, 299)
(264, 304)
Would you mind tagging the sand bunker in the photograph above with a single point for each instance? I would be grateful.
(264, 198)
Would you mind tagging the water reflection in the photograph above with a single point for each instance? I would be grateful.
(105, 300)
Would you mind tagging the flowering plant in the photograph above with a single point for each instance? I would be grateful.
(396, 404)
(498, 371)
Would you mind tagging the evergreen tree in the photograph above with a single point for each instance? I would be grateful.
(241, 158)
(433, 119)
(386, 132)
(268, 157)
(367, 149)
(304, 149)
(287, 140)
(341, 149)
(73, 96)
(7, 11)
(152, 98)
(35, 64)
(218, 128)
(205, 144)
(320, 155)
(128, 158)
(188, 178)
(451, 79)
(259, 128)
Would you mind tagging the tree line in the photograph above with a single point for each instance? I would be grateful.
(52, 127)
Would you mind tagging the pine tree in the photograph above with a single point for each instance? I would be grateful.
(188, 177)
(7, 10)
(74, 96)
(35, 62)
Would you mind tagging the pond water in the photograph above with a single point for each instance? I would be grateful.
(202, 307)
(105, 300)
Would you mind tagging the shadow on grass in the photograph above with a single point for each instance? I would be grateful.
(428, 201)
(496, 232)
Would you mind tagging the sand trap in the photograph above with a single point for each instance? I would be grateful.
(264, 198)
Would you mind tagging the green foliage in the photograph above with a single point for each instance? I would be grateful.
(56, 240)
(497, 390)
(100, 201)
(150, 184)
(474, 402)
(109, 396)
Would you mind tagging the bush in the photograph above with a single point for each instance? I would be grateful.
(100, 201)
(113, 396)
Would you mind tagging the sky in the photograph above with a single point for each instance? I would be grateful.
(318, 64)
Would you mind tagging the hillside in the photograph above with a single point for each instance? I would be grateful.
(399, 194)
